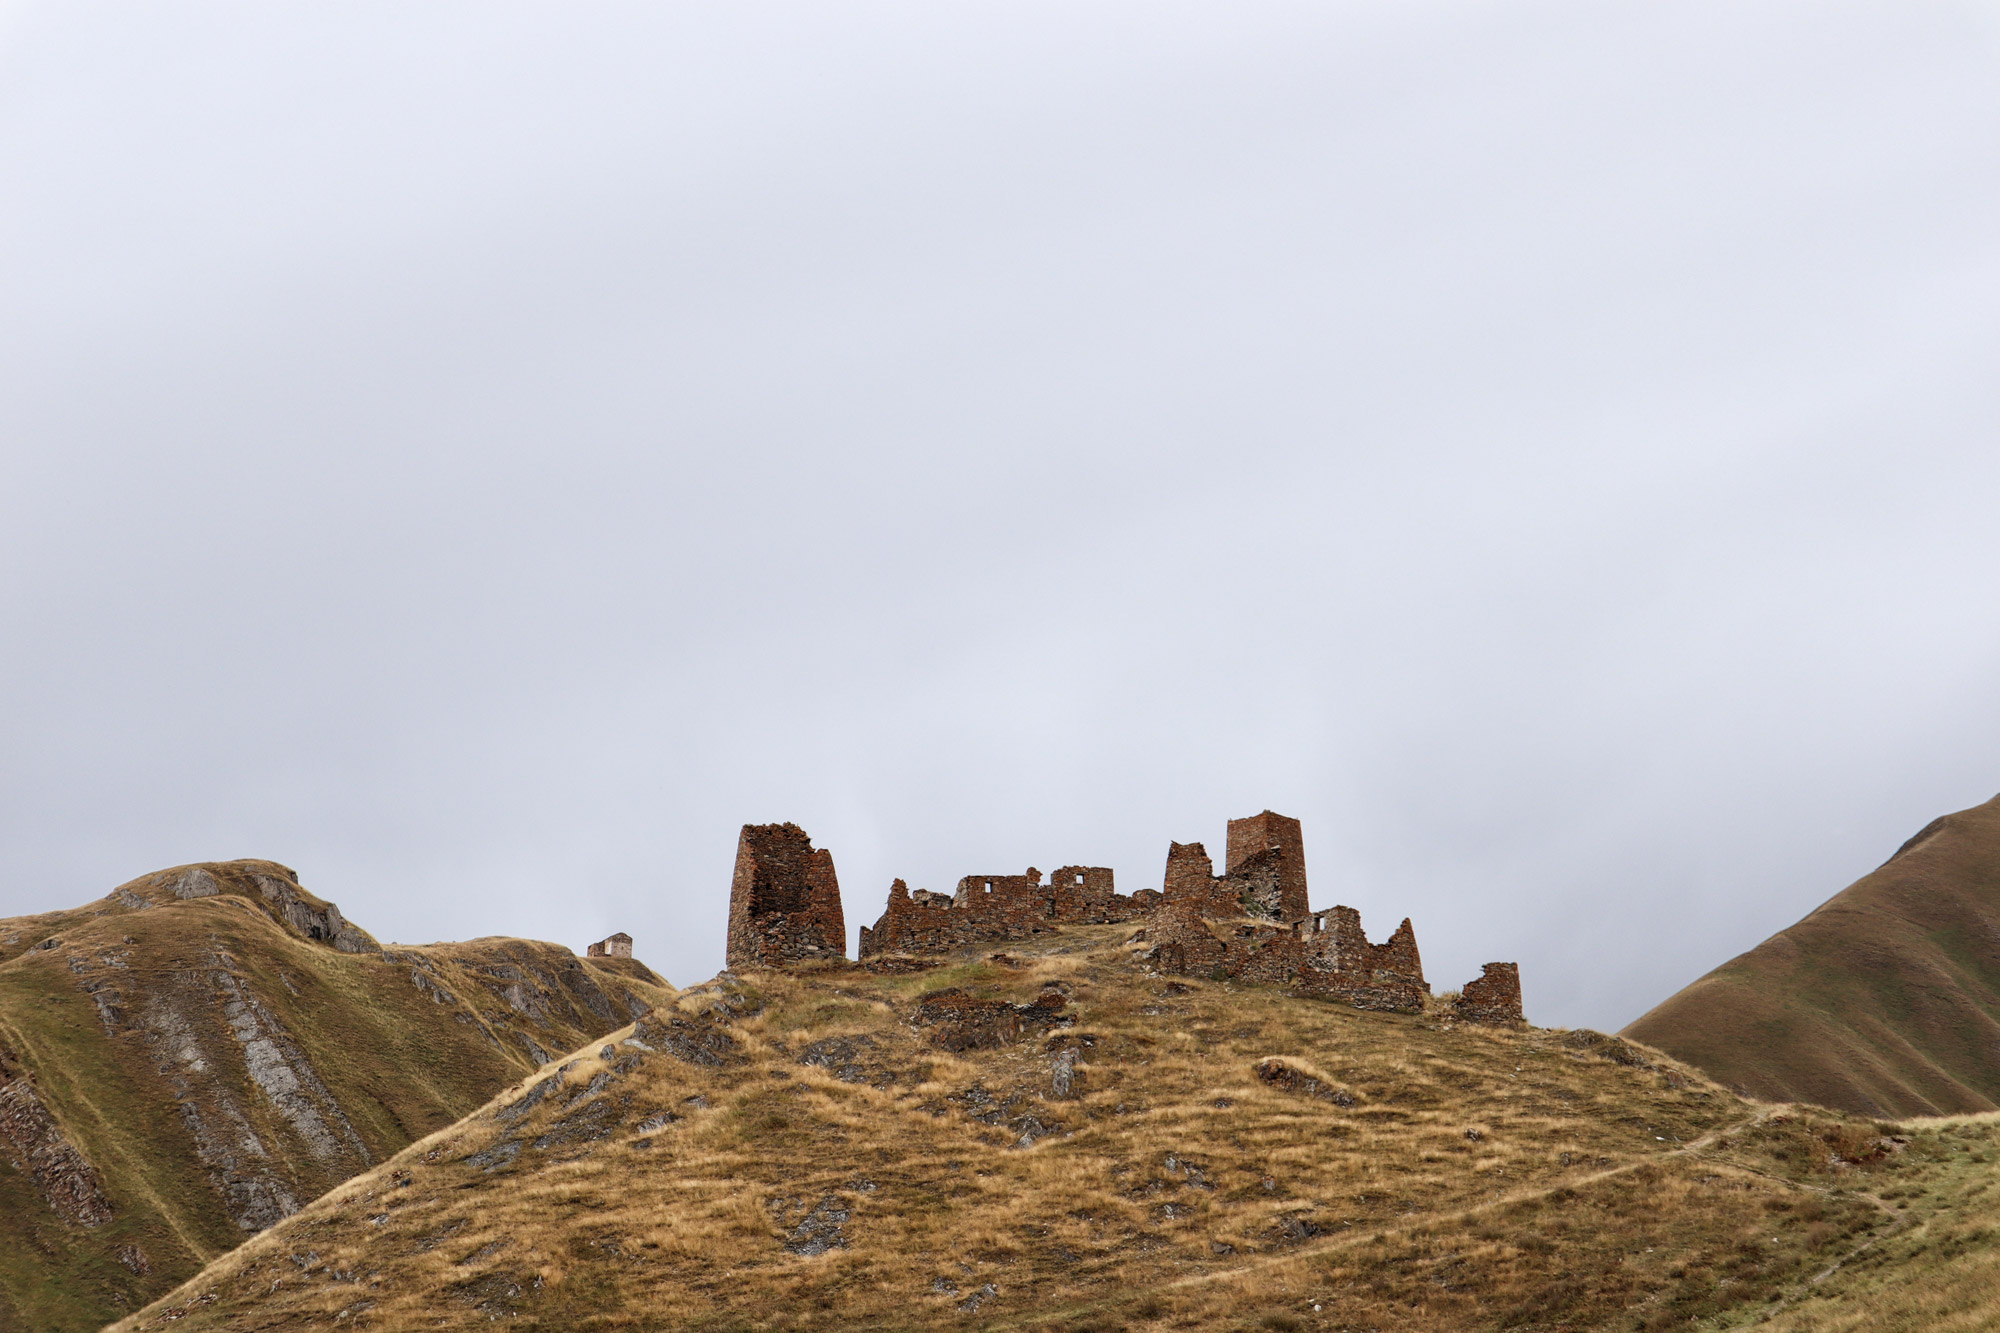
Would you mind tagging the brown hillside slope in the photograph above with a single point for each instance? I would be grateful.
(207, 1049)
(1058, 1140)
(1882, 1001)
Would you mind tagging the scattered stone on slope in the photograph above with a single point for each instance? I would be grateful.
(528, 1100)
(495, 1295)
(593, 1122)
(492, 1159)
(1282, 1074)
(839, 1056)
(692, 1041)
(956, 1020)
(1065, 1079)
(819, 1230)
(1295, 1227)
(892, 965)
(1615, 1049)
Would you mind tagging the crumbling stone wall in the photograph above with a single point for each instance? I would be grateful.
(1334, 963)
(612, 946)
(1255, 922)
(1277, 841)
(784, 900)
(998, 907)
(1256, 883)
(1338, 944)
(1494, 996)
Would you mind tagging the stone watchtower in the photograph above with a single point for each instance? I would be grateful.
(1272, 842)
(784, 901)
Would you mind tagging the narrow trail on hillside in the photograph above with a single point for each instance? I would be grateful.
(1304, 1254)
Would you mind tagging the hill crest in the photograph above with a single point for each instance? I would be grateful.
(1881, 1000)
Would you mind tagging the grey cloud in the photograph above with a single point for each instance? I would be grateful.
(481, 455)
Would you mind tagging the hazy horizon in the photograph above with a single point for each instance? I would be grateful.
(483, 455)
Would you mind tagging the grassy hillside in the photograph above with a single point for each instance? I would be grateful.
(206, 1050)
(1885, 1000)
(1061, 1140)
(1933, 1267)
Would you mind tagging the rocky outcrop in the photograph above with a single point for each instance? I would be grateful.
(955, 1019)
(322, 922)
(38, 1148)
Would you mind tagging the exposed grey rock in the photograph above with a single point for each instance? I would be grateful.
(281, 1071)
(820, 1229)
(234, 1156)
(492, 1159)
(326, 924)
(841, 1056)
(695, 1042)
(38, 1148)
(513, 1111)
(1065, 1080)
(193, 882)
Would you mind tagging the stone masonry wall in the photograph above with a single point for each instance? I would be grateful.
(784, 900)
(1373, 976)
(997, 907)
(1279, 836)
(1255, 922)
(1494, 996)
(1255, 885)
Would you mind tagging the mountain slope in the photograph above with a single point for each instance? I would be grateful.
(207, 1049)
(1058, 1139)
(1885, 1000)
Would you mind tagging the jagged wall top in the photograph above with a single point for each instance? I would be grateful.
(784, 900)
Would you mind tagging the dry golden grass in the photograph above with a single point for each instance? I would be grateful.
(1475, 1178)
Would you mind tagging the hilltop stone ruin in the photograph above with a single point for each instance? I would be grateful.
(999, 907)
(612, 946)
(1252, 922)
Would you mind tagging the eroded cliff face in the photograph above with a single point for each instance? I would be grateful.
(206, 1050)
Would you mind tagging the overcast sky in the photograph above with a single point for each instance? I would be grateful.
(483, 455)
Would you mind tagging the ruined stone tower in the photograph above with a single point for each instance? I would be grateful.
(784, 901)
(1275, 840)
